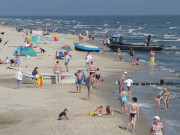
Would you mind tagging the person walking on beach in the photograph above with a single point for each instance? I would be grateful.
(152, 58)
(35, 74)
(19, 78)
(92, 68)
(90, 84)
(131, 53)
(98, 77)
(121, 81)
(67, 59)
(129, 82)
(119, 54)
(79, 77)
(105, 43)
(123, 98)
(133, 115)
(157, 127)
(88, 60)
(57, 71)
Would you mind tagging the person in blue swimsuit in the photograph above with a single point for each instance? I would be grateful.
(123, 98)
(131, 53)
(79, 77)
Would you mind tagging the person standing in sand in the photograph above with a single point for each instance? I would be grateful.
(131, 53)
(123, 96)
(105, 43)
(19, 78)
(79, 77)
(119, 53)
(157, 127)
(57, 71)
(133, 115)
(121, 81)
(152, 57)
(88, 60)
(98, 77)
(35, 74)
(92, 68)
(90, 84)
(67, 59)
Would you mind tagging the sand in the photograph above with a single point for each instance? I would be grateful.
(34, 111)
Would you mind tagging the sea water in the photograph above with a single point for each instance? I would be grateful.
(136, 28)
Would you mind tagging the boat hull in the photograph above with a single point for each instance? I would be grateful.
(141, 48)
(86, 48)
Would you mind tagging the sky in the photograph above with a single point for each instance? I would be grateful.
(88, 7)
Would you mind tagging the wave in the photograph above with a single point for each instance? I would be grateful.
(172, 28)
(177, 53)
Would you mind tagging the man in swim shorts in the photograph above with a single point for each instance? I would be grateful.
(152, 55)
(92, 68)
(90, 84)
(79, 77)
(121, 81)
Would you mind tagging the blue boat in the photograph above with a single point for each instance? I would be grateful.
(89, 48)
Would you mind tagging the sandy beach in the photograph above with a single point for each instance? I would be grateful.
(34, 111)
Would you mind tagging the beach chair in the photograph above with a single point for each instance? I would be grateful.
(61, 54)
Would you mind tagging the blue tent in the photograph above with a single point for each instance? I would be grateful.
(19, 49)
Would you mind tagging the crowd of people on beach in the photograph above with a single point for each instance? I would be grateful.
(94, 75)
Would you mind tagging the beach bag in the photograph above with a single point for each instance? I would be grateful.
(34, 72)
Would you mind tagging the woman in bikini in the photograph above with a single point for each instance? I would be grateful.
(123, 98)
(98, 77)
(133, 115)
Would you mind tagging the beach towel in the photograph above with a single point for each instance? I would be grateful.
(85, 79)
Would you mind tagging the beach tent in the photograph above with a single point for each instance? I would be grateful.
(19, 49)
(28, 51)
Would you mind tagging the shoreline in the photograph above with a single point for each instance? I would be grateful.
(107, 72)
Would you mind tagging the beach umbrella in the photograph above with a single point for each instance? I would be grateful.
(67, 48)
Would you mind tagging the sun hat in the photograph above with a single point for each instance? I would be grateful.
(125, 72)
(157, 118)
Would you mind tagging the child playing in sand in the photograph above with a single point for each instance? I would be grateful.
(63, 116)
(109, 111)
(98, 111)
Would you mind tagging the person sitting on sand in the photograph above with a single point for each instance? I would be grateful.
(13, 61)
(109, 111)
(42, 51)
(63, 115)
(7, 60)
(98, 111)
(137, 62)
